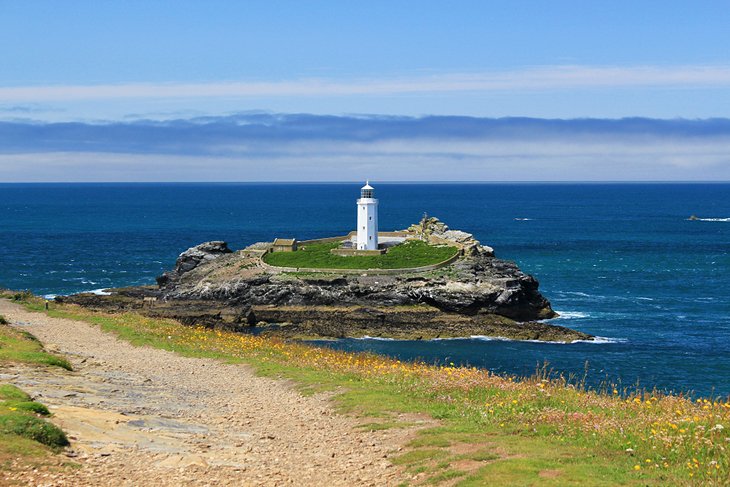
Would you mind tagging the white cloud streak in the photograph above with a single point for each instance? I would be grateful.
(532, 79)
(516, 160)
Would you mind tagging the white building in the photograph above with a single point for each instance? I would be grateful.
(367, 219)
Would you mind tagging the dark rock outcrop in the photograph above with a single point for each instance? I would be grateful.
(192, 258)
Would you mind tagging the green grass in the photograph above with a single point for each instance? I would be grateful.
(21, 420)
(25, 425)
(25, 436)
(485, 429)
(24, 433)
(412, 253)
(9, 392)
(21, 346)
(30, 407)
(445, 476)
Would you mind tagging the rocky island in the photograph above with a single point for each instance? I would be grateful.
(467, 292)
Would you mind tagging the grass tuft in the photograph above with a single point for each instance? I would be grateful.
(9, 392)
(21, 346)
(445, 476)
(28, 406)
(19, 419)
(33, 428)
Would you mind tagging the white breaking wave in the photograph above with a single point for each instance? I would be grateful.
(578, 293)
(569, 315)
(596, 341)
(99, 292)
(602, 340)
(367, 337)
(523, 219)
(714, 219)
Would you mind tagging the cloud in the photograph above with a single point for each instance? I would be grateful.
(539, 78)
(302, 147)
(27, 108)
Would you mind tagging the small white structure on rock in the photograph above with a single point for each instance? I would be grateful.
(367, 219)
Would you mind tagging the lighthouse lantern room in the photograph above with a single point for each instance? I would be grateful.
(367, 219)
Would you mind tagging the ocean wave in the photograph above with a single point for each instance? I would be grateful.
(596, 340)
(523, 219)
(602, 340)
(368, 337)
(569, 315)
(98, 292)
(711, 219)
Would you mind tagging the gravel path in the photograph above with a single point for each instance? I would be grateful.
(143, 416)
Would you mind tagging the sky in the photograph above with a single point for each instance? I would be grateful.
(642, 90)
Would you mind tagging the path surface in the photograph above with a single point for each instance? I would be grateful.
(143, 416)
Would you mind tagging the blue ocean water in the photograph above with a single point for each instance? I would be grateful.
(620, 261)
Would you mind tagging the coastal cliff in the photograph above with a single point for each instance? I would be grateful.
(475, 294)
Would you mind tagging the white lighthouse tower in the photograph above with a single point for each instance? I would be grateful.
(367, 219)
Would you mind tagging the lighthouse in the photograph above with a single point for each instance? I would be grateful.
(367, 219)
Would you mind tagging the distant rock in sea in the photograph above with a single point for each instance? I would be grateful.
(477, 294)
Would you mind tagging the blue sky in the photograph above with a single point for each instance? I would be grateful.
(127, 64)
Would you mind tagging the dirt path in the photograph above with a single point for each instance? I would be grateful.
(143, 416)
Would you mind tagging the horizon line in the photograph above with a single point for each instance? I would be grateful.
(358, 181)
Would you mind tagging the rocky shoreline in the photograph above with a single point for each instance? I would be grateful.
(477, 294)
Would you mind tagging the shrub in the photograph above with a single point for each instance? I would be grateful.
(22, 296)
(33, 428)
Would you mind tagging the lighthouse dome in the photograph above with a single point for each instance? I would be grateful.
(366, 191)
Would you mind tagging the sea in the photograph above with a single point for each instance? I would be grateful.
(620, 261)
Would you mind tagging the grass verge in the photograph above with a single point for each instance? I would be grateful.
(412, 253)
(25, 435)
(20, 346)
(492, 429)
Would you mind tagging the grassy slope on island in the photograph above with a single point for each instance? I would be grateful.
(24, 433)
(491, 429)
(412, 253)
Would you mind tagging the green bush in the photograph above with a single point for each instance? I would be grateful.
(33, 428)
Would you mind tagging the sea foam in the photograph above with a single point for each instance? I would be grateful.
(570, 315)
(596, 341)
(382, 339)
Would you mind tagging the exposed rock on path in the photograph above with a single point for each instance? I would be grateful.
(143, 416)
